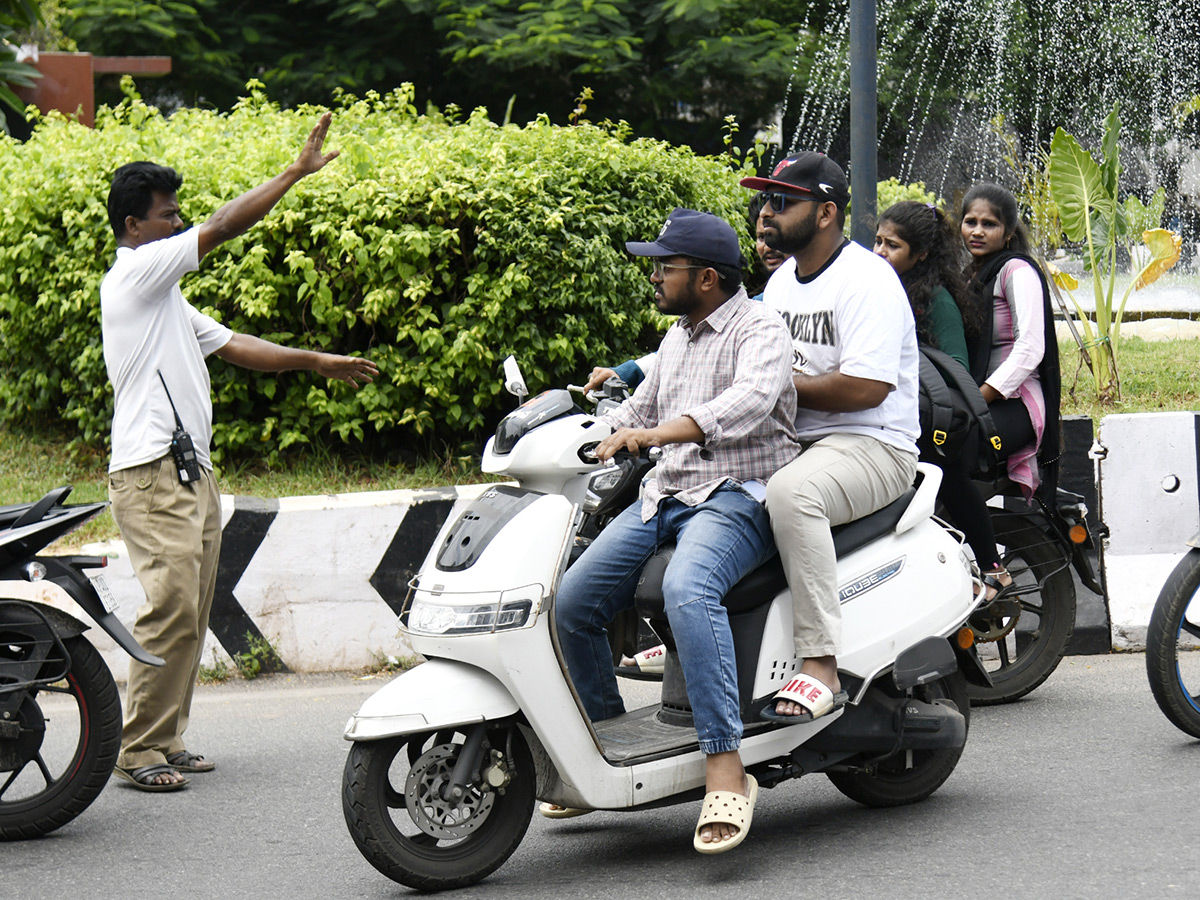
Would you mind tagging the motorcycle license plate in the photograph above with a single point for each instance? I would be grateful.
(107, 598)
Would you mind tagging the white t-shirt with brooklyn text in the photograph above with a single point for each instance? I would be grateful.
(853, 317)
(148, 327)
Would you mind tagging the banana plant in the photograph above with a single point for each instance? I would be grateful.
(14, 15)
(1085, 192)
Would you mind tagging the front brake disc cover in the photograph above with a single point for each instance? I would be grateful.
(442, 817)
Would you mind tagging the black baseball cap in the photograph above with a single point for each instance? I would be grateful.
(809, 173)
(696, 234)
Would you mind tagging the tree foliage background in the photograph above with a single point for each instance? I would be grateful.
(673, 69)
(15, 16)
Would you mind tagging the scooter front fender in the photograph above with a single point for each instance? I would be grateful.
(436, 694)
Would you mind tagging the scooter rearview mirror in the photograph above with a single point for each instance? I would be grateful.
(514, 383)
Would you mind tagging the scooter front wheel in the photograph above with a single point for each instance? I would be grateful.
(1173, 646)
(408, 824)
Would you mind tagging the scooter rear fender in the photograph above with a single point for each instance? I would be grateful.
(439, 693)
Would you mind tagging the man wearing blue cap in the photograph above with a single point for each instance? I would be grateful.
(721, 403)
(855, 375)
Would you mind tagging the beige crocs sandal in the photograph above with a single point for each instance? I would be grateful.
(726, 808)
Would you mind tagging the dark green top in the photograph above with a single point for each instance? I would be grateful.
(944, 323)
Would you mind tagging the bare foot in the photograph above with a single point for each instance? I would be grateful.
(171, 777)
(1001, 575)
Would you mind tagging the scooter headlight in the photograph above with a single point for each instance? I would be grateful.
(430, 614)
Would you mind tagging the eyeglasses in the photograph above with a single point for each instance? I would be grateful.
(659, 265)
(779, 199)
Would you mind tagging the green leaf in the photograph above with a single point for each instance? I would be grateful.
(1077, 185)
(1111, 167)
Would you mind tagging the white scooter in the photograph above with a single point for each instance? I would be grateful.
(449, 758)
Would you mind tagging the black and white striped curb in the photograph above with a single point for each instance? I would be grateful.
(321, 578)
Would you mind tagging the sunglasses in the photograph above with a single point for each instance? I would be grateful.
(660, 267)
(779, 199)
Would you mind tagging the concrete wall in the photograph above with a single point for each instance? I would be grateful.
(1151, 505)
(322, 578)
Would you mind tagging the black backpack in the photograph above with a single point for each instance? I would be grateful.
(954, 416)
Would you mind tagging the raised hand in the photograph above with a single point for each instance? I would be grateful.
(311, 159)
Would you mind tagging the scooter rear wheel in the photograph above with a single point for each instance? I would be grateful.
(392, 798)
(1173, 646)
(49, 776)
(908, 777)
(1033, 641)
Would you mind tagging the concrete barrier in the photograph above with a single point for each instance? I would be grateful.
(321, 578)
(1150, 502)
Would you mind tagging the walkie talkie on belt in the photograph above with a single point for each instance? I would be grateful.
(182, 450)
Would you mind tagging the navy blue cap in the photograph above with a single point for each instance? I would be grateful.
(695, 234)
(807, 172)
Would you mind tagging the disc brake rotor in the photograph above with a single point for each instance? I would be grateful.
(441, 817)
(993, 621)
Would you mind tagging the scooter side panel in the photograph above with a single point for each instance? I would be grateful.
(437, 694)
(893, 592)
(928, 592)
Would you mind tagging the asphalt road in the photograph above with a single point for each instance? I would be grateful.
(1081, 790)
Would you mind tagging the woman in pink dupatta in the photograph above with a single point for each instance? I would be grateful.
(1014, 360)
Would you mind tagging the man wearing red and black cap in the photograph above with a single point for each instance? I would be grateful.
(855, 372)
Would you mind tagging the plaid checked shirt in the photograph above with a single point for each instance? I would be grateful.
(732, 374)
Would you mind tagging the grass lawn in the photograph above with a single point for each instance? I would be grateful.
(1156, 376)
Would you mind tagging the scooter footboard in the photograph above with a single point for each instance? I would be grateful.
(436, 694)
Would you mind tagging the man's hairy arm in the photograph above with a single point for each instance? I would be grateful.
(682, 430)
(264, 356)
(238, 215)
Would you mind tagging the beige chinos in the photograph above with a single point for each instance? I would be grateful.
(173, 535)
(834, 480)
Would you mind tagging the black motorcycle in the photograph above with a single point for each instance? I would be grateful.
(1023, 634)
(51, 674)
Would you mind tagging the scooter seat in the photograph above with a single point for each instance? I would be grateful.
(760, 586)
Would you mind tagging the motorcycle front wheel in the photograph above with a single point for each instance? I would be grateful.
(1022, 638)
(908, 777)
(1173, 646)
(49, 775)
(393, 798)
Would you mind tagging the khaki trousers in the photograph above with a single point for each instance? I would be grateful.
(173, 534)
(835, 480)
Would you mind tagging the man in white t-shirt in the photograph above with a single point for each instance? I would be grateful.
(155, 345)
(855, 371)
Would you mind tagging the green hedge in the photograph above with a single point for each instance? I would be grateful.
(435, 247)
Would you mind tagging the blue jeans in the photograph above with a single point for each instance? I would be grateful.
(717, 543)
